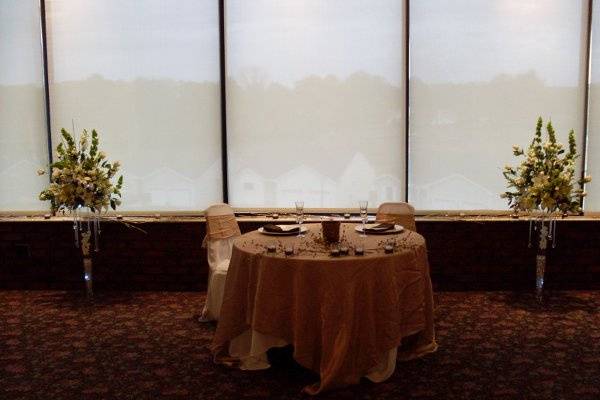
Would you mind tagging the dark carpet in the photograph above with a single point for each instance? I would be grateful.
(54, 345)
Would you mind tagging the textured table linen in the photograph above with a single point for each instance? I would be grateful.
(343, 315)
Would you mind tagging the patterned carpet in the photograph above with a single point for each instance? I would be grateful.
(53, 345)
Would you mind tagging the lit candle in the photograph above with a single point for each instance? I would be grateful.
(359, 251)
(343, 251)
(289, 251)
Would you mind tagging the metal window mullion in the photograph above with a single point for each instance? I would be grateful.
(223, 84)
(44, 41)
(586, 101)
(406, 96)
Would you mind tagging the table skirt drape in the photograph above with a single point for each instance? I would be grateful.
(342, 315)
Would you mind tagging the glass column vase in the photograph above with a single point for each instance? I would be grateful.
(87, 264)
(86, 227)
(543, 226)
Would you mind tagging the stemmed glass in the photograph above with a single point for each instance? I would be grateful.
(363, 214)
(300, 216)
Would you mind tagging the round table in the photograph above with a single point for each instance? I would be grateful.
(344, 315)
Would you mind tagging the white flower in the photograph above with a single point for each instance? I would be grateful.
(82, 180)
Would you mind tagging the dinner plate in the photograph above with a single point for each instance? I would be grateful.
(397, 229)
(303, 229)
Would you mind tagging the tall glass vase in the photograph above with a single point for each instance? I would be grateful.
(545, 226)
(87, 264)
(86, 226)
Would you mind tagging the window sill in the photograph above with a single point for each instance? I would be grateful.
(283, 217)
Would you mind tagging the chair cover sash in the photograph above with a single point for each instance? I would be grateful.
(221, 227)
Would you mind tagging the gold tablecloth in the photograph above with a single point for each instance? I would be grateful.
(341, 314)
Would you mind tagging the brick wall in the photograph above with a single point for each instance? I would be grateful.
(463, 255)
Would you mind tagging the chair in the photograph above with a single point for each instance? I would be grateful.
(397, 213)
(221, 231)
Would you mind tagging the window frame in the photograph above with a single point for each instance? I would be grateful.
(224, 137)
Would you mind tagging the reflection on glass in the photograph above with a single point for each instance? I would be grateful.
(481, 74)
(145, 74)
(315, 101)
(23, 148)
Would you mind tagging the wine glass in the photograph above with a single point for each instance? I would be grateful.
(363, 214)
(300, 216)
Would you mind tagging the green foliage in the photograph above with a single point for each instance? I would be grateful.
(81, 177)
(545, 179)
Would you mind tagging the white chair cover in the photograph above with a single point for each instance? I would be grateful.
(399, 213)
(219, 244)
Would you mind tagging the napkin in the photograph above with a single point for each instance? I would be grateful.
(380, 227)
(281, 228)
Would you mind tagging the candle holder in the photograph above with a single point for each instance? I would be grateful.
(331, 230)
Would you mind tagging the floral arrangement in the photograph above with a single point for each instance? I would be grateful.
(544, 180)
(82, 176)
